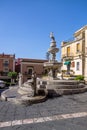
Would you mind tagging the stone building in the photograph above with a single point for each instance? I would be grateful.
(7, 63)
(74, 53)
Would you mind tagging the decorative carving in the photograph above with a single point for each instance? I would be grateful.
(20, 79)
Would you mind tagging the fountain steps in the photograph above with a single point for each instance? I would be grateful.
(64, 86)
(24, 95)
(67, 82)
(59, 92)
(26, 90)
(60, 84)
(63, 83)
(12, 95)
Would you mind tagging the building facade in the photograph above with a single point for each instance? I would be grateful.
(20, 65)
(74, 53)
(27, 66)
(7, 63)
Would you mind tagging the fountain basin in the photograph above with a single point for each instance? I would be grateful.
(12, 95)
(61, 87)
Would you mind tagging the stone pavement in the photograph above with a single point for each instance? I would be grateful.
(61, 113)
(14, 96)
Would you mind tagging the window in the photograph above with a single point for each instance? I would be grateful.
(68, 51)
(30, 70)
(6, 69)
(6, 62)
(77, 66)
(78, 47)
(73, 64)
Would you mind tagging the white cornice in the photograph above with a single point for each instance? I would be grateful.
(80, 30)
(32, 63)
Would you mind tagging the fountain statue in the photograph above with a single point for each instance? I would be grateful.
(28, 87)
(53, 50)
(52, 65)
(31, 90)
(20, 79)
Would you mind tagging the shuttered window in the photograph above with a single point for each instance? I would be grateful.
(68, 51)
(78, 47)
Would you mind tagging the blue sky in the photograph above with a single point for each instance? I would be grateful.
(25, 25)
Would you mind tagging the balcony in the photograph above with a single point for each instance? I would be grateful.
(71, 40)
(67, 56)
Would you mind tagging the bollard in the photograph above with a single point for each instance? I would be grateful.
(5, 98)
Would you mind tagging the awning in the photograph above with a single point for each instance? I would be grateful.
(67, 63)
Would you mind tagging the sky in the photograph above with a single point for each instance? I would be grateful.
(25, 25)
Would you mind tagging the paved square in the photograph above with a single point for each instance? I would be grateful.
(66, 113)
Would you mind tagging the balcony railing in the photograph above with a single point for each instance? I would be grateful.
(73, 39)
(67, 56)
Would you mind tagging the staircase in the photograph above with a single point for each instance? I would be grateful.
(61, 87)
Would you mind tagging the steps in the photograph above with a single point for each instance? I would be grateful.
(62, 87)
(12, 95)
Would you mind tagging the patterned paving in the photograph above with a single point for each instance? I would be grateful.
(43, 119)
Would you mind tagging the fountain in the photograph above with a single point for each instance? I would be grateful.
(52, 65)
(31, 91)
(52, 85)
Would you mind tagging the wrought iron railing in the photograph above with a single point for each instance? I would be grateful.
(72, 39)
(67, 55)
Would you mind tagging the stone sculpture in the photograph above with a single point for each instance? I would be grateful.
(34, 77)
(20, 79)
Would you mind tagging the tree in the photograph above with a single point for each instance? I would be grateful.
(13, 76)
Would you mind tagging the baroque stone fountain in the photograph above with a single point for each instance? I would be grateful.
(52, 65)
(52, 85)
(30, 91)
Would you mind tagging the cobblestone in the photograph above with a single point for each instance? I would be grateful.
(70, 104)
